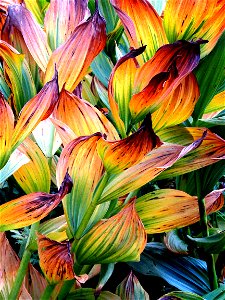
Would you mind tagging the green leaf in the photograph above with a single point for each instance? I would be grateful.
(174, 243)
(102, 67)
(186, 273)
(180, 296)
(89, 294)
(105, 274)
(212, 244)
(210, 73)
(3, 85)
(218, 294)
(109, 14)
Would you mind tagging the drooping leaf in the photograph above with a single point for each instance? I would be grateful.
(20, 80)
(61, 19)
(31, 208)
(156, 260)
(82, 117)
(157, 161)
(105, 274)
(120, 155)
(194, 19)
(73, 58)
(37, 109)
(160, 75)
(9, 264)
(6, 130)
(119, 238)
(174, 243)
(181, 296)
(15, 161)
(56, 260)
(84, 165)
(211, 150)
(35, 175)
(142, 24)
(34, 37)
(130, 288)
(178, 106)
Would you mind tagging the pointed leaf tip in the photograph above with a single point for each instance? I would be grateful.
(66, 185)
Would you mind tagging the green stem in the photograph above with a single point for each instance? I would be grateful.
(65, 289)
(212, 272)
(23, 264)
(47, 292)
(203, 217)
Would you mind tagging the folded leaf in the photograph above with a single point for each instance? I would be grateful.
(73, 58)
(34, 37)
(61, 19)
(142, 24)
(178, 106)
(194, 19)
(35, 175)
(6, 130)
(147, 169)
(31, 208)
(119, 238)
(174, 243)
(37, 109)
(82, 117)
(120, 155)
(56, 261)
(81, 159)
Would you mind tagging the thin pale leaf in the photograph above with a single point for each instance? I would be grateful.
(119, 238)
(35, 175)
(73, 58)
(31, 208)
(61, 19)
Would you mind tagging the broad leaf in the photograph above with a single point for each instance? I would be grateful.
(34, 37)
(35, 175)
(216, 104)
(120, 238)
(31, 208)
(56, 260)
(61, 19)
(130, 288)
(181, 296)
(194, 19)
(217, 294)
(120, 155)
(156, 260)
(142, 24)
(73, 58)
(90, 294)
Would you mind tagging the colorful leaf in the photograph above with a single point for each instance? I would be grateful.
(31, 208)
(178, 106)
(130, 288)
(181, 296)
(56, 261)
(35, 283)
(34, 37)
(147, 169)
(119, 238)
(65, 133)
(194, 19)
(90, 294)
(73, 58)
(6, 130)
(82, 117)
(37, 109)
(120, 155)
(142, 24)
(35, 7)
(216, 104)
(35, 175)
(61, 19)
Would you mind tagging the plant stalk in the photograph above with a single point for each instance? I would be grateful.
(47, 292)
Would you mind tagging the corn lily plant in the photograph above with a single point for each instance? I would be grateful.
(99, 99)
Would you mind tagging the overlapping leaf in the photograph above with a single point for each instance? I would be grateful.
(217, 104)
(119, 238)
(82, 117)
(61, 19)
(35, 175)
(73, 58)
(31, 208)
(120, 155)
(142, 24)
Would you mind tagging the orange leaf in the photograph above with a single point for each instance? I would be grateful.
(6, 130)
(179, 105)
(56, 261)
(31, 208)
(73, 58)
(195, 19)
(119, 238)
(37, 109)
(82, 117)
(61, 19)
(65, 132)
(34, 37)
(142, 24)
(120, 155)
